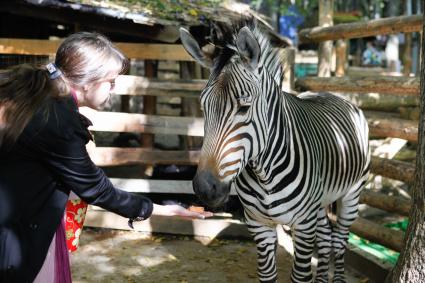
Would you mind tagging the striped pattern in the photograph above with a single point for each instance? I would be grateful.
(287, 157)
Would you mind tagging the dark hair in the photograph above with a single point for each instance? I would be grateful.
(84, 58)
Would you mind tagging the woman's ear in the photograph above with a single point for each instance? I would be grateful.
(248, 47)
(192, 47)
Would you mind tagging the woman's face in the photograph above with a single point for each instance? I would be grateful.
(97, 95)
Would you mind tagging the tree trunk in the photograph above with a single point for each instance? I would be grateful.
(325, 48)
(410, 265)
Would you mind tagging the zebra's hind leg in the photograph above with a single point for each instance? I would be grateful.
(265, 238)
(324, 245)
(304, 236)
(347, 212)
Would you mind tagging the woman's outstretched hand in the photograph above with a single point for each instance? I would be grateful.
(177, 210)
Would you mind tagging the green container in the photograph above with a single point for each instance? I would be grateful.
(377, 250)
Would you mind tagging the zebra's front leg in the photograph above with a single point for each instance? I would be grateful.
(324, 246)
(304, 236)
(265, 238)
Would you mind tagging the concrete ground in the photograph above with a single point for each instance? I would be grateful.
(108, 255)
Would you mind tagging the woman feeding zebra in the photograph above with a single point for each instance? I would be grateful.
(43, 157)
(288, 157)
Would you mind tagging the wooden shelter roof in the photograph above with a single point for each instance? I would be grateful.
(152, 20)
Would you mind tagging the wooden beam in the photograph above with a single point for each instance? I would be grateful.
(391, 25)
(379, 84)
(112, 156)
(212, 227)
(152, 124)
(156, 186)
(399, 205)
(376, 233)
(172, 52)
(381, 102)
(394, 169)
(384, 125)
(136, 85)
(379, 125)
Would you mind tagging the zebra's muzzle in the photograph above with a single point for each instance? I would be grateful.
(210, 189)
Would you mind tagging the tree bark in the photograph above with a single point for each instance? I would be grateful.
(325, 48)
(410, 265)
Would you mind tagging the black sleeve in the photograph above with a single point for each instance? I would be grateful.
(61, 144)
(77, 172)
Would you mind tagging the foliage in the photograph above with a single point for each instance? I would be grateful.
(164, 9)
(304, 7)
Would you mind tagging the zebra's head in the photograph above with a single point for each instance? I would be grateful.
(234, 111)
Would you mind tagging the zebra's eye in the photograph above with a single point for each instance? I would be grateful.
(245, 101)
(243, 104)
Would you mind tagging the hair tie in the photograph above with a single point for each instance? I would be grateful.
(53, 70)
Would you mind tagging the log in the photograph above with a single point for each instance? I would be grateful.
(367, 84)
(384, 125)
(172, 52)
(391, 25)
(153, 124)
(112, 156)
(341, 57)
(325, 47)
(156, 186)
(399, 205)
(382, 102)
(376, 233)
(211, 228)
(135, 85)
(394, 169)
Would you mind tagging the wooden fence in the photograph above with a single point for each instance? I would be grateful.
(190, 126)
(381, 125)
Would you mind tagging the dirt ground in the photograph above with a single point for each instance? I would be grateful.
(125, 256)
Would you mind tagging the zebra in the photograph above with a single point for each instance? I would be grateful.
(288, 157)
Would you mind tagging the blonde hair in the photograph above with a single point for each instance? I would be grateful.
(84, 58)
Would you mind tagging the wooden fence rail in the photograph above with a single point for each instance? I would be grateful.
(174, 52)
(399, 205)
(380, 84)
(363, 29)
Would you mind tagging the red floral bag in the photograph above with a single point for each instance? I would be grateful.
(74, 219)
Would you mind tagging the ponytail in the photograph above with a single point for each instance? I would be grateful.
(24, 89)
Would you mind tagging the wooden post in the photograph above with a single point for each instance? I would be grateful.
(325, 48)
(190, 106)
(288, 83)
(341, 56)
(149, 107)
(407, 53)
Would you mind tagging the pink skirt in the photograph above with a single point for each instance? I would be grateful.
(56, 267)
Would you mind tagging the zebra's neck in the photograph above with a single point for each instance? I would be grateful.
(277, 149)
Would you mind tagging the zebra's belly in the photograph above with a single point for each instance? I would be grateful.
(268, 209)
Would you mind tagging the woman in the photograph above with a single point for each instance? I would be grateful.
(43, 155)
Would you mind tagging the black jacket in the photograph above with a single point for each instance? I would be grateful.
(36, 175)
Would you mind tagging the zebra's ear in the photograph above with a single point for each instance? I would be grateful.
(248, 47)
(192, 47)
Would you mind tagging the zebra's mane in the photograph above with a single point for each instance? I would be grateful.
(224, 39)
